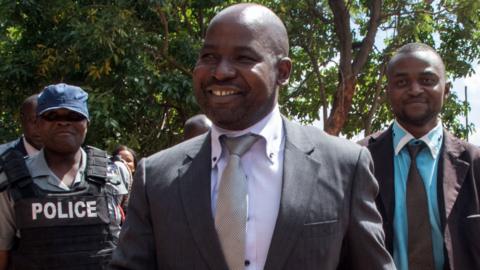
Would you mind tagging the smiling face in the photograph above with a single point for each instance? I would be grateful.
(416, 89)
(238, 71)
(63, 131)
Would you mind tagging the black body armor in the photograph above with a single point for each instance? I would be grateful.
(61, 230)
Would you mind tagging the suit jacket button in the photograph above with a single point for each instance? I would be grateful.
(247, 262)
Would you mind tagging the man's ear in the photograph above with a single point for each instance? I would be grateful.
(446, 92)
(284, 70)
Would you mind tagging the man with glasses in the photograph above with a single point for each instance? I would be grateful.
(59, 208)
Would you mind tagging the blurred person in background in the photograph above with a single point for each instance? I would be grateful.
(30, 142)
(196, 125)
(124, 154)
(127, 155)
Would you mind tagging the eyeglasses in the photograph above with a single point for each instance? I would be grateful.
(69, 117)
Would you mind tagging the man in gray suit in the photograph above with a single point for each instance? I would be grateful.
(309, 197)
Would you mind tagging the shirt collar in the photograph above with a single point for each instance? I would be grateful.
(433, 139)
(270, 128)
(40, 166)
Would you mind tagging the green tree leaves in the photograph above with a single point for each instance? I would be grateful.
(135, 59)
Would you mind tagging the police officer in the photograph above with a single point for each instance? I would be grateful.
(59, 208)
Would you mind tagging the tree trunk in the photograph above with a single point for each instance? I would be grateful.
(377, 100)
(341, 106)
(349, 67)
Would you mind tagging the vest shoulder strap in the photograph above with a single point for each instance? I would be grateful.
(12, 162)
(97, 161)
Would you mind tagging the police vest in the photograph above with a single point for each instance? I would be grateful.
(63, 230)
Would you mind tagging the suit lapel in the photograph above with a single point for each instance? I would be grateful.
(195, 182)
(381, 149)
(453, 172)
(382, 154)
(296, 193)
(451, 175)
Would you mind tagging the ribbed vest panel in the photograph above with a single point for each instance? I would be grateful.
(63, 231)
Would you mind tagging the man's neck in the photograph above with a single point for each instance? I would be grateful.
(419, 131)
(64, 165)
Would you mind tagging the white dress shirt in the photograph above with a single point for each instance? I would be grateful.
(263, 164)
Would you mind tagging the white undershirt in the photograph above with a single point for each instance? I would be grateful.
(263, 164)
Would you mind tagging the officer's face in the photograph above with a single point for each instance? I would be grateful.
(63, 131)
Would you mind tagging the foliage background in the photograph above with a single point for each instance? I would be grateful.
(135, 59)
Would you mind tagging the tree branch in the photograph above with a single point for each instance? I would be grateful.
(414, 12)
(369, 39)
(164, 49)
(321, 86)
(376, 101)
(341, 20)
(297, 91)
(188, 25)
(316, 13)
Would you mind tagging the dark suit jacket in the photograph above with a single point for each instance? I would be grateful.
(458, 195)
(15, 144)
(327, 212)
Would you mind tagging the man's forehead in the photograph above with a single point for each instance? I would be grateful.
(254, 24)
(250, 17)
(212, 44)
(432, 63)
(240, 22)
(248, 13)
(256, 16)
(238, 35)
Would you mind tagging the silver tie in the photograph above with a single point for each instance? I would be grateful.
(231, 213)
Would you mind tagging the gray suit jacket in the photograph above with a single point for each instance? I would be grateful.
(327, 213)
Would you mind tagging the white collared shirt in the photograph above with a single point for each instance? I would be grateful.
(433, 146)
(263, 164)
